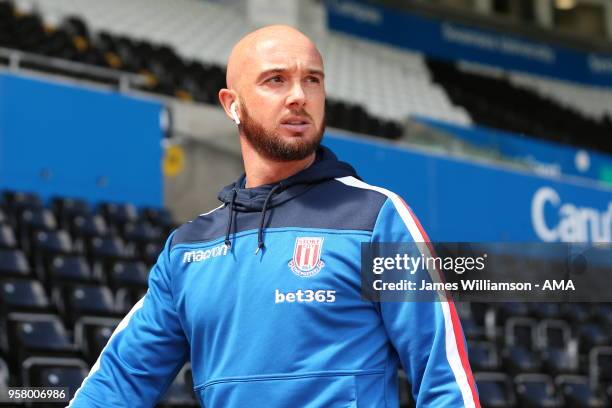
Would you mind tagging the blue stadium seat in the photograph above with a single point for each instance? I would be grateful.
(126, 298)
(577, 392)
(42, 371)
(76, 300)
(23, 295)
(66, 209)
(150, 252)
(600, 365)
(559, 351)
(108, 248)
(591, 335)
(15, 202)
(47, 244)
(483, 356)
(576, 312)
(4, 219)
(7, 237)
(118, 214)
(536, 390)
(141, 232)
(85, 226)
(30, 334)
(13, 263)
(133, 274)
(545, 310)
(495, 390)
(159, 217)
(68, 268)
(91, 334)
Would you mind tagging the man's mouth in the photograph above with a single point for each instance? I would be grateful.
(295, 124)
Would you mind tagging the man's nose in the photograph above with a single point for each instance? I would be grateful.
(296, 97)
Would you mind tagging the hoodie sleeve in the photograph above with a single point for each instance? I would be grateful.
(426, 335)
(144, 353)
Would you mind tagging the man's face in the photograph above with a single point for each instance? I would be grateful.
(282, 100)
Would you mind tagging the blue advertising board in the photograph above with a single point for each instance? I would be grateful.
(58, 139)
(458, 200)
(547, 157)
(454, 41)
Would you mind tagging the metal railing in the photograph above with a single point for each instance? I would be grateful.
(17, 61)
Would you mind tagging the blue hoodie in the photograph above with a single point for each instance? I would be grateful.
(263, 295)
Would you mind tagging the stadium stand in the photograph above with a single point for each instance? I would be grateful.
(499, 103)
(60, 303)
(181, 52)
(66, 280)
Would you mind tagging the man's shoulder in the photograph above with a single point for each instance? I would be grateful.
(205, 226)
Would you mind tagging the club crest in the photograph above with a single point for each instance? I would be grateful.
(306, 260)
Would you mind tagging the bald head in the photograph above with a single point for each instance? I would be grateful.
(276, 94)
(263, 43)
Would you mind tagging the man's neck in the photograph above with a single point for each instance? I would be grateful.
(260, 170)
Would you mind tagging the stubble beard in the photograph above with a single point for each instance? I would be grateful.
(272, 146)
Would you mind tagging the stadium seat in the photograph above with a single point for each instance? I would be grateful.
(600, 365)
(4, 219)
(126, 298)
(132, 274)
(13, 263)
(576, 312)
(591, 335)
(47, 244)
(150, 252)
(553, 334)
(141, 232)
(76, 300)
(68, 268)
(483, 356)
(536, 390)
(18, 201)
(545, 310)
(107, 248)
(118, 214)
(91, 334)
(23, 295)
(30, 334)
(87, 226)
(66, 209)
(521, 331)
(495, 390)
(43, 371)
(7, 237)
(577, 392)
(180, 392)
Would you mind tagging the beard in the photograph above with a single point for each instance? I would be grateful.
(271, 145)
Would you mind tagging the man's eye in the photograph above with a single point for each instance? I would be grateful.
(313, 79)
(277, 79)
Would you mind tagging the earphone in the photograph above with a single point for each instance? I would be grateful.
(234, 114)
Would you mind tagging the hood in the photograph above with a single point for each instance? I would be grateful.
(262, 198)
(325, 167)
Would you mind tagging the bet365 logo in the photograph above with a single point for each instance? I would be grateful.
(305, 296)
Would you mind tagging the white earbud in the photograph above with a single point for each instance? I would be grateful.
(234, 114)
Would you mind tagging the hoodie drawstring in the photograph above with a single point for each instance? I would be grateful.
(260, 242)
(228, 243)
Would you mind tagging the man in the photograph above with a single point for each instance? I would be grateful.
(263, 293)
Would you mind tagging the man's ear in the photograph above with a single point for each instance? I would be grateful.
(227, 98)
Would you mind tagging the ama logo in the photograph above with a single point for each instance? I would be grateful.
(306, 261)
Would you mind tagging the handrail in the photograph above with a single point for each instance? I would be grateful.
(18, 60)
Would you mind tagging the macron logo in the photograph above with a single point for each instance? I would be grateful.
(202, 255)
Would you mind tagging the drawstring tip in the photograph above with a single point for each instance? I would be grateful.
(228, 244)
(259, 246)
